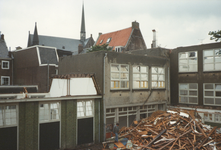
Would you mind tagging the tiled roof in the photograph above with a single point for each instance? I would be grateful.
(118, 38)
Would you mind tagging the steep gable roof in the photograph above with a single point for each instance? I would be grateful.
(3, 49)
(118, 38)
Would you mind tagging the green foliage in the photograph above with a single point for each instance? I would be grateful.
(96, 48)
(216, 35)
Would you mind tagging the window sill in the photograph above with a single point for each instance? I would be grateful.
(113, 90)
(141, 89)
(187, 72)
(156, 89)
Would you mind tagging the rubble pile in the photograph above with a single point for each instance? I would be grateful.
(174, 129)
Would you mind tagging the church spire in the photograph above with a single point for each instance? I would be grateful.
(35, 38)
(83, 32)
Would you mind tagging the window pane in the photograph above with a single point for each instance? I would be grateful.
(144, 77)
(192, 86)
(136, 69)
(192, 54)
(218, 59)
(183, 55)
(136, 84)
(209, 101)
(114, 68)
(10, 115)
(124, 84)
(193, 100)
(183, 92)
(161, 84)
(209, 93)
(208, 53)
(1, 115)
(115, 75)
(44, 112)
(54, 111)
(183, 61)
(154, 70)
(193, 93)
(218, 86)
(124, 68)
(193, 61)
(89, 108)
(208, 86)
(183, 68)
(144, 84)
(143, 69)
(218, 52)
(183, 86)
(208, 67)
(136, 76)
(154, 84)
(218, 101)
(208, 59)
(124, 76)
(154, 77)
(183, 99)
(80, 108)
(161, 70)
(161, 77)
(218, 66)
(218, 93)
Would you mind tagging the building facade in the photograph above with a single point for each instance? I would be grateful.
(196, 79)
(133, 86)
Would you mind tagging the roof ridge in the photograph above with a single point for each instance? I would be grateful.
(117, 30)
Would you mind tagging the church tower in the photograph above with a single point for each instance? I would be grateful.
(83, 32)
(35, 38)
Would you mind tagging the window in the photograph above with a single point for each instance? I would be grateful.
(8, 115)
(49, 112)
(118, 49)
(5, 64)
(140, 77)
(5, 80)
(188, 62)
(188, 93)
(212, 94)
(101, 41)
(108, 40)
(158, 77)
(212, 60)
(119, 76)
(85, 109)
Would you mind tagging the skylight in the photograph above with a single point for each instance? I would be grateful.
(101, 41)
(108, 40)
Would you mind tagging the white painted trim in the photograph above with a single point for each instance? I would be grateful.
(38, 55)
(188, 96)
(188, 62)
(8, 64)
(48, 64)
(33, 47)
(5, 77)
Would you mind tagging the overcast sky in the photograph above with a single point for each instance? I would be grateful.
(177, 22)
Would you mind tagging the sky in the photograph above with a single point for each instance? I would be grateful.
(177, 22)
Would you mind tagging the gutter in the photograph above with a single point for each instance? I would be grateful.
(104, 107)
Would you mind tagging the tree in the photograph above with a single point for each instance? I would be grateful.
(216, 35)
(95, 48)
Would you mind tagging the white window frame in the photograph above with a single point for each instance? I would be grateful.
(49, 112)
(3, 116)
(212, 56)
(119, 80)
(140, 80)
(4, 61)
(158, 81)
(118, 49)
(84, 109)
(188, 93)
(214, 97)
(188, 62)
(2, 79)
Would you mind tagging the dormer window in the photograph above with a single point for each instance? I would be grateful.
(101, 41)
(118, 49)
(108, 40)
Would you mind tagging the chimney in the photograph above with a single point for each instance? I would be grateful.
(135, 25)
(2, 37)
(80, 48)
(154, 42)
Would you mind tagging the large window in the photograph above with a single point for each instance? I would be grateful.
(212, 93)
(5, 64)
(119, 76)
(8, 115)
(85, 109)
(212, 60)
(188, 93)
(140, 77)
(5, 80)
(188, 61)
(158, 77)
(49, 112)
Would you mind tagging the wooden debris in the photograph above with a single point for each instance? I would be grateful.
(174, 129)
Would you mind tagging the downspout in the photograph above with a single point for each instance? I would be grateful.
(48, 79)
(12, 69)
(104, 107)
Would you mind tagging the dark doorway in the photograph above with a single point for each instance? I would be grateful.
(85, 131)
(49, 136)
(8, 138)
